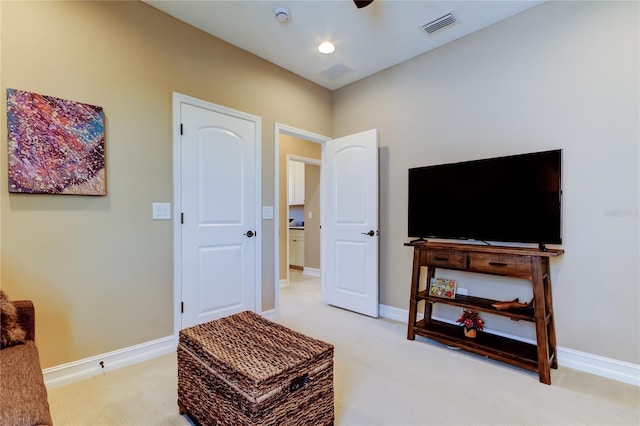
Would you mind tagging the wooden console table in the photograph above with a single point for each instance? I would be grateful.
(517, 262)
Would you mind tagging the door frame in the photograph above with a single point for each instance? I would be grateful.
(305, 160)
(178, 99)
(300, 134)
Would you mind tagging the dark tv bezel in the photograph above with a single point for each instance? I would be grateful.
(485, 238)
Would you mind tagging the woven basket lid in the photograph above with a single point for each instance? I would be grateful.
(254, 347)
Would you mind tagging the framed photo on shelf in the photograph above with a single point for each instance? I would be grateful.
(442, 287)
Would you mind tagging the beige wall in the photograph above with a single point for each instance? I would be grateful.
(99, 269)
(552, 77)
(290, 145)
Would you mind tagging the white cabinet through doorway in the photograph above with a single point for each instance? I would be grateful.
(296, 248)
(296, 182)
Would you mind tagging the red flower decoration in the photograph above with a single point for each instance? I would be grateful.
(471, 320)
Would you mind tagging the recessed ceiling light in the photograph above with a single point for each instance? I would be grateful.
(326, 48)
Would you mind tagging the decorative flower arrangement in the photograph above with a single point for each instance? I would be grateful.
(471, 321)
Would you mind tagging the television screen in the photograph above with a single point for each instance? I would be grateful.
(513, 199)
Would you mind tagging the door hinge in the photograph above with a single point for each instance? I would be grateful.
(181, 129)
(182, 307)
(182, 218)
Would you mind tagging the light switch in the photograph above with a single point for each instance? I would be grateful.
(310, 215)
(162, 211)
(267, 212)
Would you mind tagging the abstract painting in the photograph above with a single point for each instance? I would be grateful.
(56, 146)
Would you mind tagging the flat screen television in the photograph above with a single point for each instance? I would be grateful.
(515, 198)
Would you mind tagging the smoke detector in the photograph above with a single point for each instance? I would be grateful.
(281, 14)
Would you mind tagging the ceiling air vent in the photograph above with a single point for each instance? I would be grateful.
(336, 71)
(438, 23)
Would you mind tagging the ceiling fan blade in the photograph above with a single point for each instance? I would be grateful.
(362, 3)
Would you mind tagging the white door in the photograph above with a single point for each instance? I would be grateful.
(350, 222)
(218, 187)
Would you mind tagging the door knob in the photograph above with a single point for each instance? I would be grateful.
(370, 233)
(249, 234)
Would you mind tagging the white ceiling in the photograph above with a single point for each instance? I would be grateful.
(367, 40)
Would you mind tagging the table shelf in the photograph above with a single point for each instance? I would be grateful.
(532, 264)
(479, 304)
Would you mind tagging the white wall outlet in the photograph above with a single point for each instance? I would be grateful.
(461, 291)
(161, 211)
(310, 215)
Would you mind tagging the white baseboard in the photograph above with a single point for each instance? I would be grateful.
(85, 368)
(609, 368)
(311, 271)
(64, 374)
(621, 371)
(271, 314)
(396, 314)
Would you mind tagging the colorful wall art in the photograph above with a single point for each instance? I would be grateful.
(55, 146)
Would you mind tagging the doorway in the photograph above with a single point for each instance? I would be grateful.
(285, 136)
(302, 242)
(349, 240)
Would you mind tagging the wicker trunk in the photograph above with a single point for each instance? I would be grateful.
(247, 370)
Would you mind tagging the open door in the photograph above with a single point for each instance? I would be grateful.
(350, 222)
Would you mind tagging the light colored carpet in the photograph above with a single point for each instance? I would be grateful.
(380, 379)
